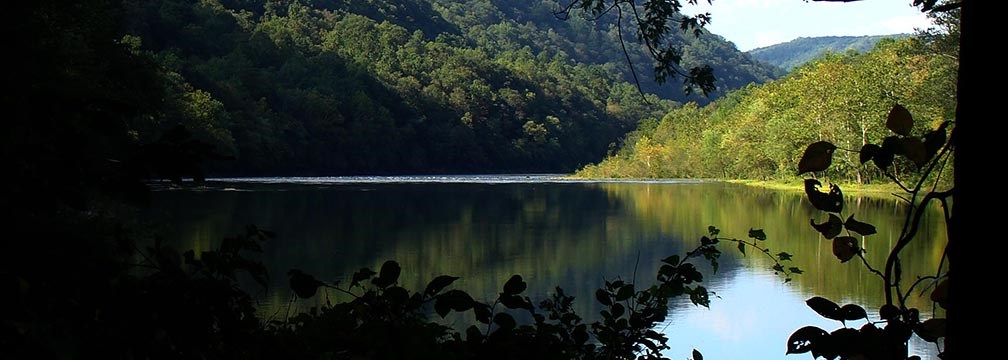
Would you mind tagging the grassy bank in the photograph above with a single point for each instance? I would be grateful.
(872, 190)
(885, 190)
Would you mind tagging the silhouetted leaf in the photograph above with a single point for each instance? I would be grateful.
(689, 273)
(853, 312)
(625, 292)
(707, 241)
(757, 234)
(783, 256)
(890, 147)
(888, 312)
(482, 312)
(361, 275)
(697, 355)
(795, 270)
(441, 307)
(671, 260)
(388, 274)
(617, 310)
(504, 320)
(899, 120)
(897, 331)
(931, 329)
(831, 202)
(845, 247)
(439, 283)
(666, 271)
(515, 302)
(829, 229)
(415, 301)
(700, 296)
(805, 339)
(304, 285)
(651, 334)
(934, 140)
(870, 331)
(580, 334)
(473, 334)
(867, 152)
(843, 342)
(741, 248)
(940, 293)
(914, 150)
(817, 157)
(825, 307)
(396, 295)
(453, 300)
(515, 285)
(864, 229)
(603, 297)
(713, 231)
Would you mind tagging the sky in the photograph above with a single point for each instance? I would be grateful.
(756, 23)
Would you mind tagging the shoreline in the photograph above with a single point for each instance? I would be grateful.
(871, 190)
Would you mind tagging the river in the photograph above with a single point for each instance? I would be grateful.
(555, 231)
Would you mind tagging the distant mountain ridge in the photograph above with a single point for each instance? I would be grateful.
(796, 52)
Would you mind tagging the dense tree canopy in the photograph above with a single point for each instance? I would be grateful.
(761, 131)
(333, 87)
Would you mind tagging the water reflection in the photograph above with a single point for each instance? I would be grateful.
(568, 234)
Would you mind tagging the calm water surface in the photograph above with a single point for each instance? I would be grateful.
(553, 232)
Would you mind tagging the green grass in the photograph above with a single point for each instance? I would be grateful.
(872, 190)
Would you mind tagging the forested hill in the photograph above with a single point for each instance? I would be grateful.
(804, 49)
(501, 25)
(408, 86)
(760, 132)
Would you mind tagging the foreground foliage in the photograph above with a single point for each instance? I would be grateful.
(929, 153)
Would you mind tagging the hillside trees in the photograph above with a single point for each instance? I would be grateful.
(759, 132)
(327, 88)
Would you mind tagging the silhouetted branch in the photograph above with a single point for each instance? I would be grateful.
(919, 280)
(905, 238)
(895, 180)
(619, 32)
(870, 268)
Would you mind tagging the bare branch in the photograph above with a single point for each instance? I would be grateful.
(619, 32)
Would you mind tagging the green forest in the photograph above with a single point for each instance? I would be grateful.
(761, 131)
(391, 87)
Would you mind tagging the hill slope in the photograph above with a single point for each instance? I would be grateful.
(501, 24)
(804, 49)
(760, 132)
(333, 87)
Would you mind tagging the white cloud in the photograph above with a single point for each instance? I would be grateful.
(743, 4)
(767, 38)
(904, 24)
